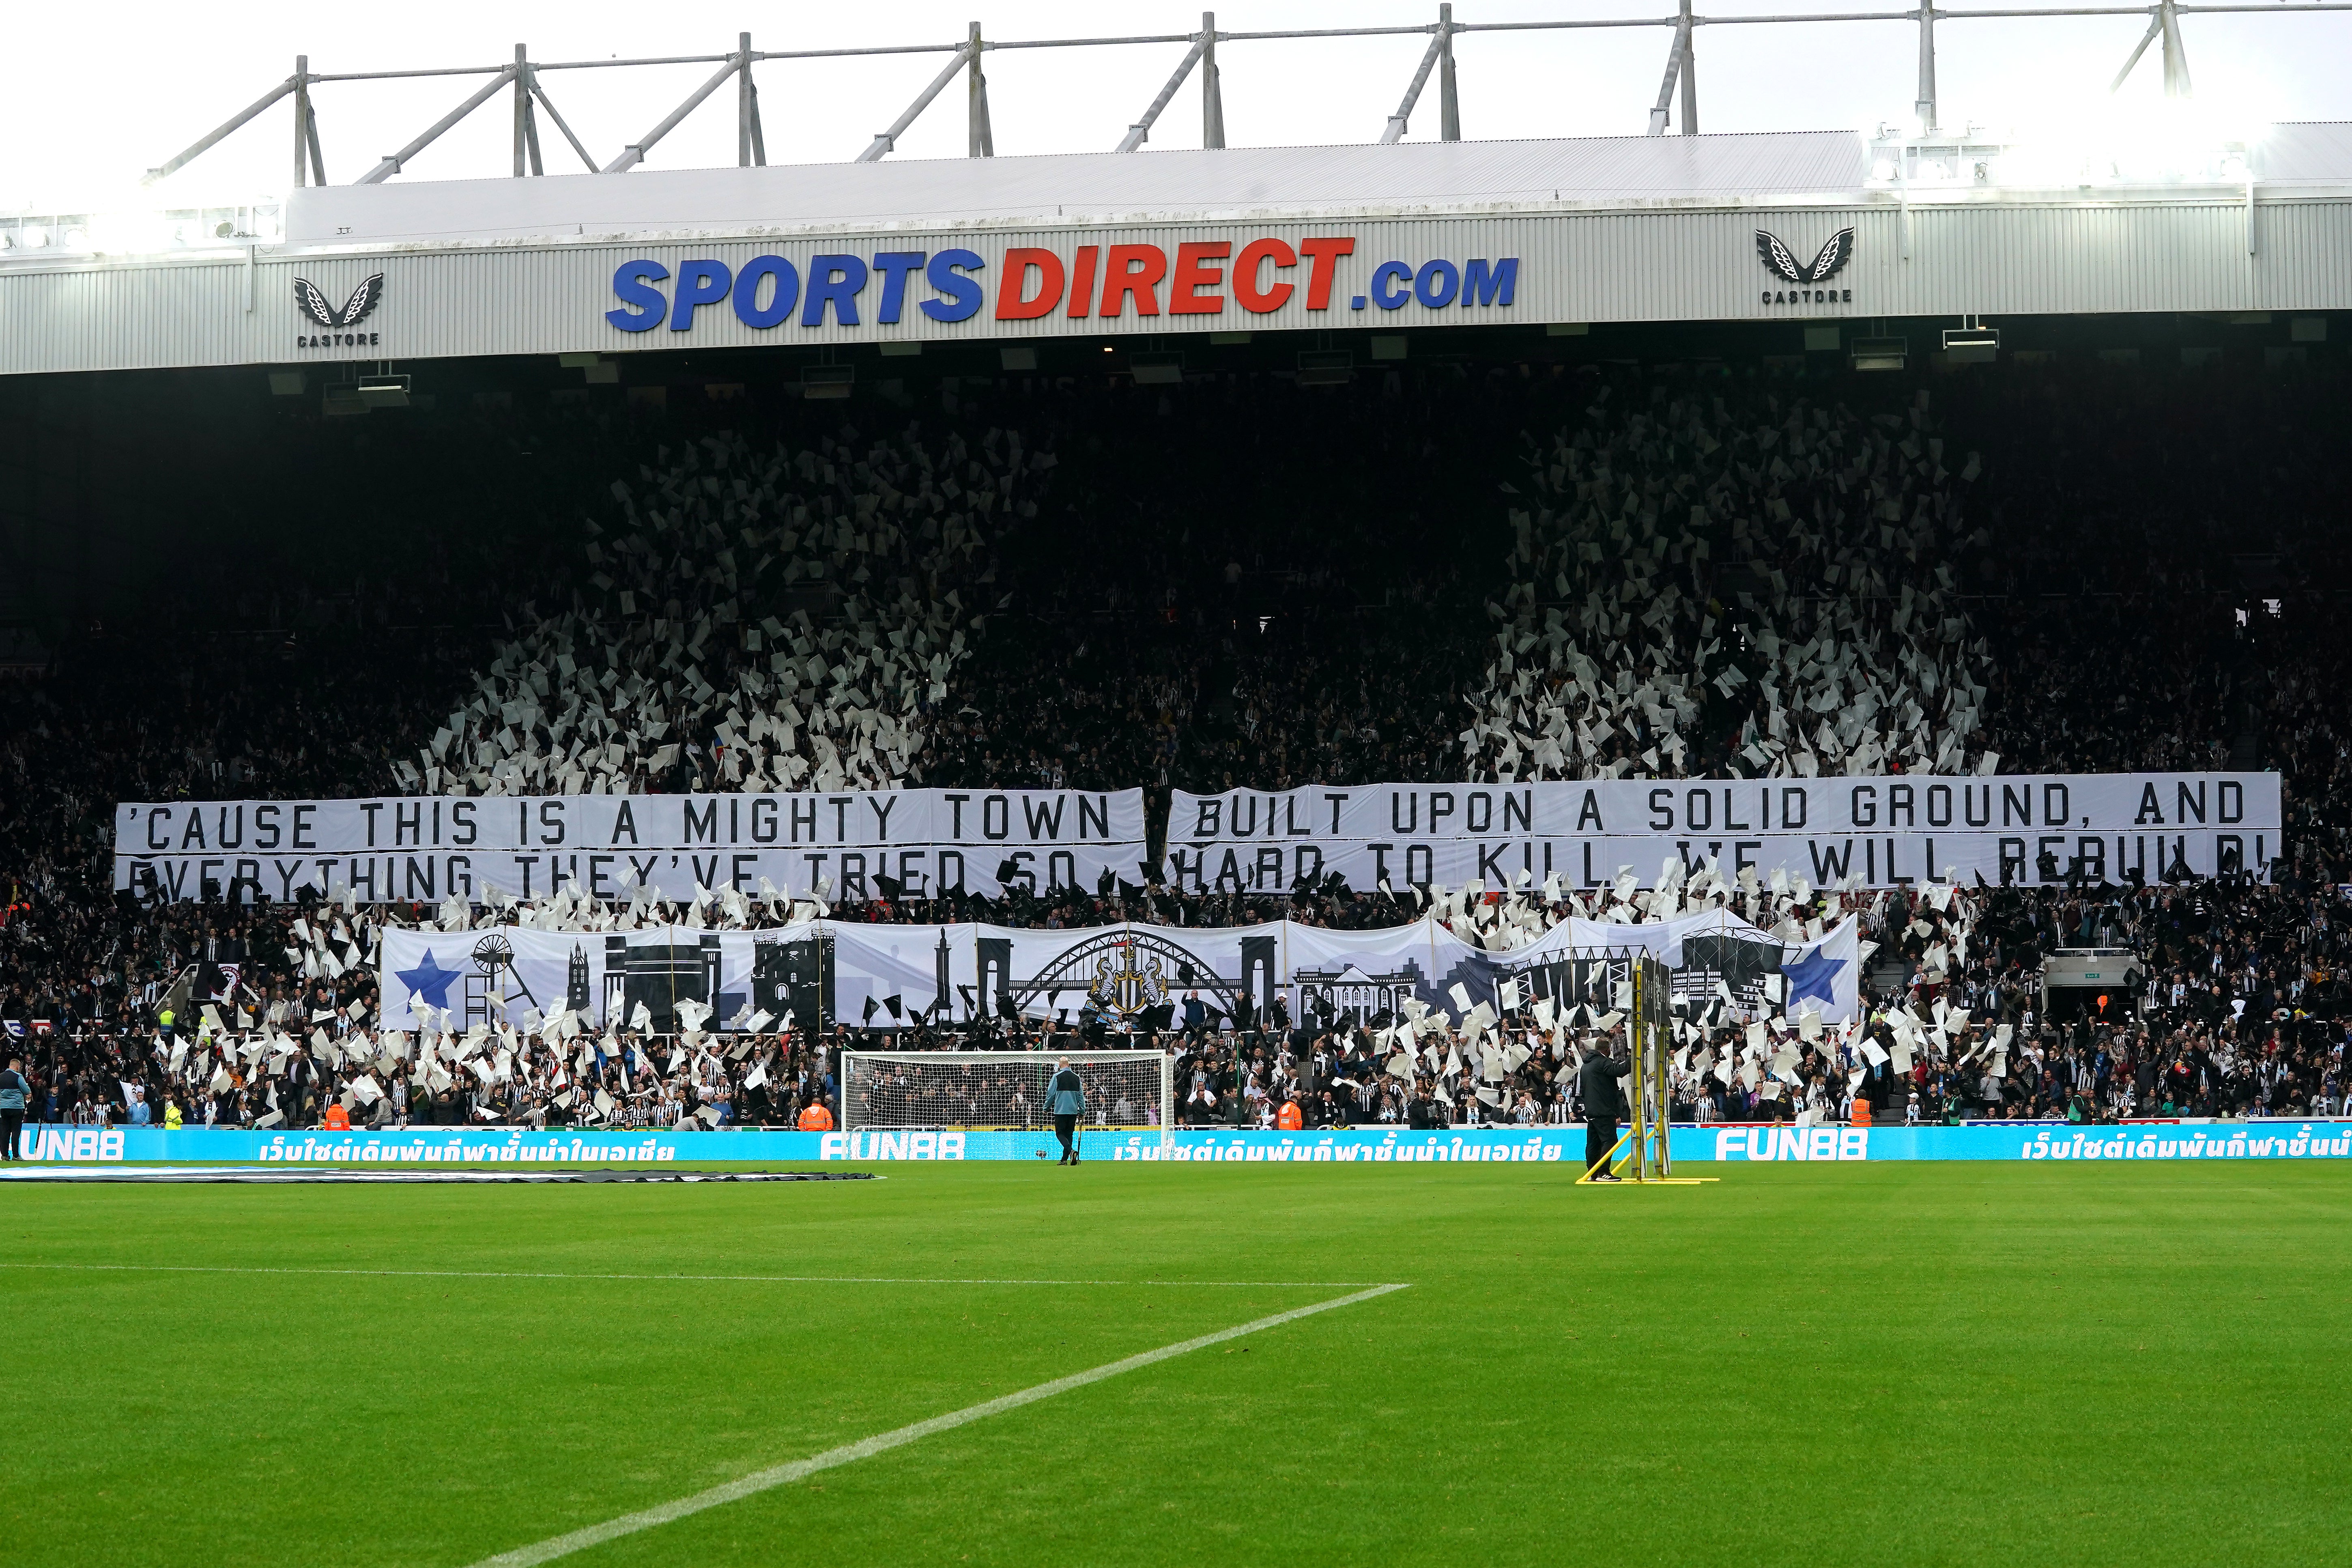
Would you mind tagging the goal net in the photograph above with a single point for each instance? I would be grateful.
(1003, 1091)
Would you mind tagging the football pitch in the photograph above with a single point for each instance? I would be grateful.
(1956, 1364)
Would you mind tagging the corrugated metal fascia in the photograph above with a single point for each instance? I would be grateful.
(1696, 263)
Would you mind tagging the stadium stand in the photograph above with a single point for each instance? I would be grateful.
(1240, 582)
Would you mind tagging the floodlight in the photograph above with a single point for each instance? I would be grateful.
(383, 391)
(1157, 370)
(827, 380)
(1972, 345)
(1326, 367)
(1878, 353)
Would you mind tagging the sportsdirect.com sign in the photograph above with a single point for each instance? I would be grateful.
(1203, 278)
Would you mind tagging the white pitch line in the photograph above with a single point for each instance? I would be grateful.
(678, 1278)
(849, 1452)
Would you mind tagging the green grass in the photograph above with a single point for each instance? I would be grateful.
(1910, 1363)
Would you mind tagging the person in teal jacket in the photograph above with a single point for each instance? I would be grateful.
(1066, 1099)
(12, 1092)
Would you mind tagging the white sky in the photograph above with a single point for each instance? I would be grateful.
(88, 108)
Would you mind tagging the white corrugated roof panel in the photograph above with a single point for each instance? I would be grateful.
(1091, 187)
(2309, 152)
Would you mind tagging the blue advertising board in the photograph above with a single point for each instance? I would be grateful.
(2265, 1139)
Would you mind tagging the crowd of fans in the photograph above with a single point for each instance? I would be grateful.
(2239, 1010)
(1244, 582)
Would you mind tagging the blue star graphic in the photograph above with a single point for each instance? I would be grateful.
(1814, 974)
(428, 983)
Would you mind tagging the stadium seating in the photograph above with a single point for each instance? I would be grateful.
(1667, 572)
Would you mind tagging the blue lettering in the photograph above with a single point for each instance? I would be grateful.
(893, 266)
(699, 283)
(1436, 284)
(778, 307)
(1482, 287)
(946, 274)
(837, 279)
(632, 283)
(1388, 273)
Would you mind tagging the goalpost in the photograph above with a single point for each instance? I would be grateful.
(1645, 996)
(1004, 1091)
(1650, 1034)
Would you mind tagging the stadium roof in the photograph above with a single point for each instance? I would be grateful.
(1818, 226)
(1097, 187)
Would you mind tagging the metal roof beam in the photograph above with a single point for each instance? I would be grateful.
(1660, 110)
(1212, 88)
(264, 101)
(1404, 115)
(548, 103)
(634, 153)
(1923, 103)
(978, 136)
(751, 144)
(1449, 98)
(2175, 53)
(887, 141)
(2165, 17)
(1140, 132)
(393, 162)
(2155, 28)
(1690, 72)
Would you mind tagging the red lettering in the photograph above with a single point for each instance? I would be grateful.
(1182, 297)
(1134, 269)
(1013, 302)
(1082, 279)
(1325, 254)
(1253, 257)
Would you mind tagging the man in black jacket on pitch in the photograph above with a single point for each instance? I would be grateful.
(1596, 1084)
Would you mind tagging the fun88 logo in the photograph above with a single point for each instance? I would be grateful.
(1792, 1143)
(74, 1144)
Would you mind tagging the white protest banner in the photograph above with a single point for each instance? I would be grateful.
(1132, 976)
(844, 845)
(882, 976)
(1879, 831)
(1701, 950)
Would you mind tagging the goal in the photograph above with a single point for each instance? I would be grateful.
(1650, 1034)
(1004, 1091)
